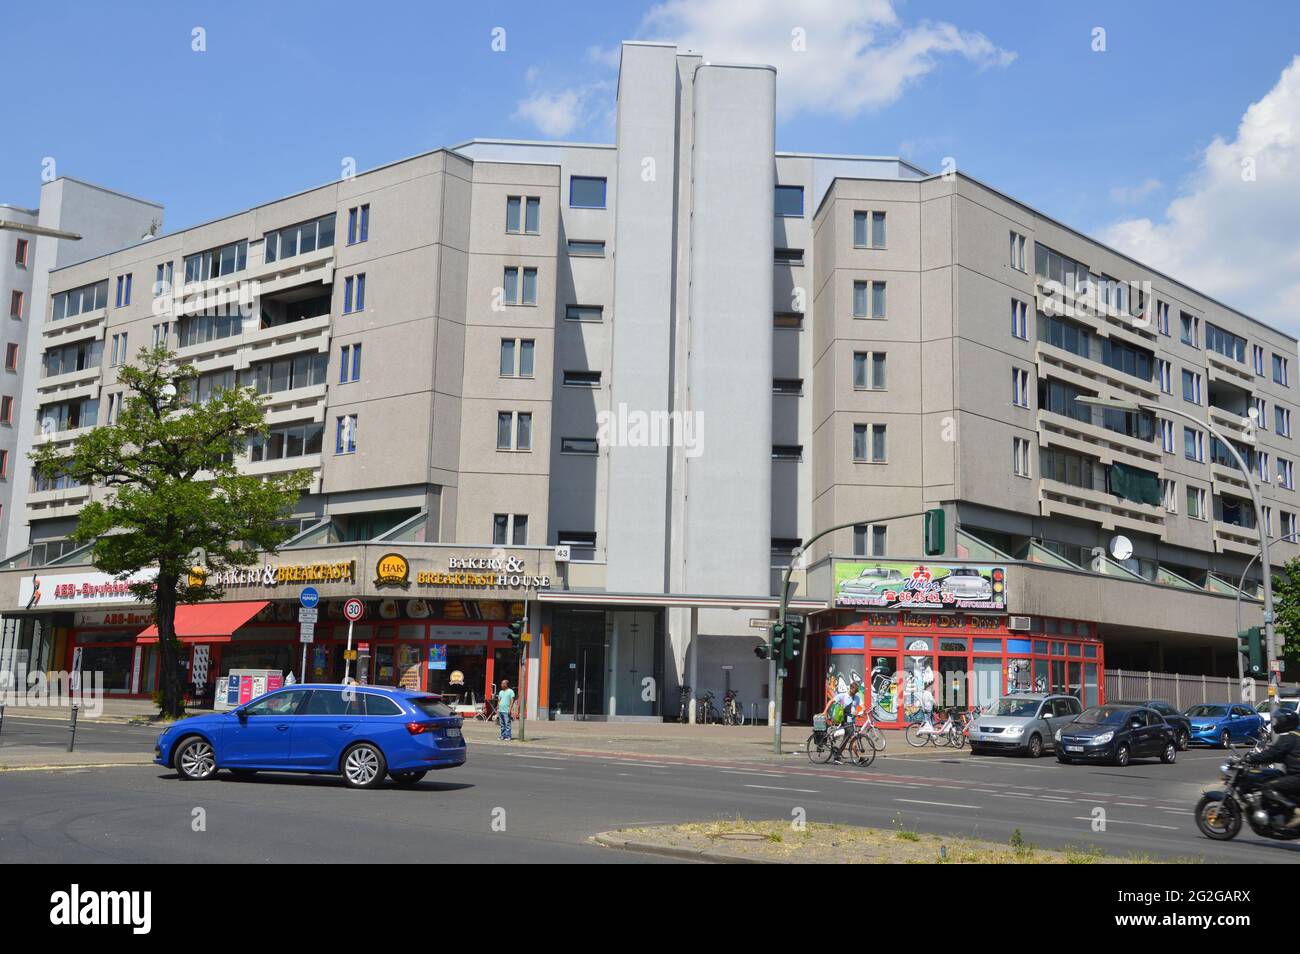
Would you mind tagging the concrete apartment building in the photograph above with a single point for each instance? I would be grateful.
(676, 357)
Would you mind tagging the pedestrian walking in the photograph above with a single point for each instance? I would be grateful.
(505, 709)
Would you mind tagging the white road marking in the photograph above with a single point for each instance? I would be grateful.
(549, 758)
(777, 788)
(1116, 821)
(917, 801)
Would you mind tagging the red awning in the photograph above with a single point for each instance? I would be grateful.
(207, 622)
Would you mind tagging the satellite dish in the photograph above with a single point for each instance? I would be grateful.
(1121, 547)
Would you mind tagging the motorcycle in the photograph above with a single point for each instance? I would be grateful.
(1219, 813)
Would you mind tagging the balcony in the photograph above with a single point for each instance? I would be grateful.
(306, 334)
(1104, 320)
(1088, 373)
(1110, 445)
(61, 502)
(88, 324)
(66, 436)
(1220, 368)
(1225, 475)
(286, 273)
(1099, 506)
(1231, 537)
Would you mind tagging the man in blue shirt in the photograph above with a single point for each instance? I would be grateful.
(505, 709)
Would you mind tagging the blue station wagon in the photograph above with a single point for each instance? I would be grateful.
(359, 732)
(1222, 724)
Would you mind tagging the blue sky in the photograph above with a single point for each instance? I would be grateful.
(1013, 92)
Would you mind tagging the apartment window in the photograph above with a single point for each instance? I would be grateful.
(345, 434)
(1196, 502)
(299, 239)
(869, 540)
(114, 404)
(20, 253)
(350, 363)
(1191, 387)
(1169, 495)
(1262, 468)
(161, 333)
(1285, 474)
(206, 386)
(515, 293)
(1017, 251)
(68, 415)
(789, 202)
(1162, 317)
(584, 313)
(201, 329)
(869, 229)
(16, 304)
(6, 409)
(78, 301)
(787, 386)
(287, 374)
(509, 529)
(1019, 319)
(1280, 370)
(4, 465)
(1257, 359)
(1225, 343)
(123, 291)
(584, 446)
(519, 530)
(581, 379)
(1193, 444)
(1288, 524)
(1020, 456)
(523, 368)
(787, 319)
(789, 256)
(581, 248)
(1189, 329)
(358, 224)
(1167, 436)
(291, 440)
(118, 354)
(868, 299)
(530, 206)
(1166, 375)
(1020, 387)
(354, 293)
(869, 370)
(517, 425)
(787, 452)
(162, 278)
(1282, 421)
(217, 262)
(586, 192)
(869, 443)
(11, 357)
(581, 542)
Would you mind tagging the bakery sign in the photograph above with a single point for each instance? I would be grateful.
(273, 574)
(491, 573)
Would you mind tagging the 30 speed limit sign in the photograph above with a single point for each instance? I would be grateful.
(353, 610)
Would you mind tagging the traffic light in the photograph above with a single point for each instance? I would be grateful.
(1250, 643)
(516, 632)
(778, 641)
(934, 542)
(761, 650)
(793, 638)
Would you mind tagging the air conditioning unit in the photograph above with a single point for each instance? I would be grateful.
(1018, 624)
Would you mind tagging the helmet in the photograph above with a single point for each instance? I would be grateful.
(1286, 720)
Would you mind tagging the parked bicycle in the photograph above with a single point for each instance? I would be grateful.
(684, 712)
(946, 732)
(487, 712)
(732, 711)
(832, 742)
(708, 712)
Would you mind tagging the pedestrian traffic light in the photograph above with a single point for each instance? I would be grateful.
(934, 541)
(516, 632)
(1250, 643)
(761, 650)
(778, 640)
(793, 638)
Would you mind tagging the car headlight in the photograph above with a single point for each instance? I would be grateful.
(1058, 735)
(1015, 730)
(1104, 738)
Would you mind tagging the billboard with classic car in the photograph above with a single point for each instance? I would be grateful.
(928, 586)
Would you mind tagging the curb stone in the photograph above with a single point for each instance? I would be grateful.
(612, 839)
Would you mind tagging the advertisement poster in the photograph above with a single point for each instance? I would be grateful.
(438, 656)
(928, 586)
(408, 667)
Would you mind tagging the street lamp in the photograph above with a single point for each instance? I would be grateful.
(1116, 404)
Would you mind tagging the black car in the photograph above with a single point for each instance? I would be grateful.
(1182, 725)
(1116, 733)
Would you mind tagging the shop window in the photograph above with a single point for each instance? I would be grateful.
(988, 645)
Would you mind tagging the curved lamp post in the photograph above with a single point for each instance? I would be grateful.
(1265, 567)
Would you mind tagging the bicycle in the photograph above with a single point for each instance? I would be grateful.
(871, 732)
(684, 712)
(732, 711)
(487, 712)
(822, 745)
(708, 712)
(921, 734)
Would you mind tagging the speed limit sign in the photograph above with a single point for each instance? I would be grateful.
(353, 610)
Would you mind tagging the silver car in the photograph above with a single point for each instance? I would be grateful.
(966, 583)
(1023, 723)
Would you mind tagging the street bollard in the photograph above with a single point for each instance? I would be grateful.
(2, 717)
(72, 728)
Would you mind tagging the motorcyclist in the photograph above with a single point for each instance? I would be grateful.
(1285, 748)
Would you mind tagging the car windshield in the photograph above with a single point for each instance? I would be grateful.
(1213, 711)
(1105, 715)
(432, 706)
(1024, 708)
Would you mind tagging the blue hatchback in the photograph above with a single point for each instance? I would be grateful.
(1223, 723)
(359, 732)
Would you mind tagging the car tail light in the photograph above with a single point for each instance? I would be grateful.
(419, 728)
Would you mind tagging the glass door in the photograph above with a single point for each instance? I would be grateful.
(383, 665)
(883, 693)
(919, 698)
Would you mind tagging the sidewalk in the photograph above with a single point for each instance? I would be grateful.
(114, 711)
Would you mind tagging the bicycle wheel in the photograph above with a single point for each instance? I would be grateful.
(942, 737)
(958, 740)
(861, 751)
(875, 737)
(919, 735)
(819, 751)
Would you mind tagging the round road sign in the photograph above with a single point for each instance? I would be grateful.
(353, 610)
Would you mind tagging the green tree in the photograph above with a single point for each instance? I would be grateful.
(1286, 607)
(170, 486)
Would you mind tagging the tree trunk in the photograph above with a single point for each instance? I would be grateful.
(168, 645)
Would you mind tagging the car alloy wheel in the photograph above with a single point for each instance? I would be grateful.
(1169, 754)
(1184, 743)
(1035, 746)
(1225, 740)
(195, 760)
(363, 766)
(1121, 756)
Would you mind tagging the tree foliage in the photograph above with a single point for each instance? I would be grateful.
(168, 484)
(1286, 609)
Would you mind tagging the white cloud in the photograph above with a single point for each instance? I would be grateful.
(843, 57)
(1232, 233)
(1129, 195)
